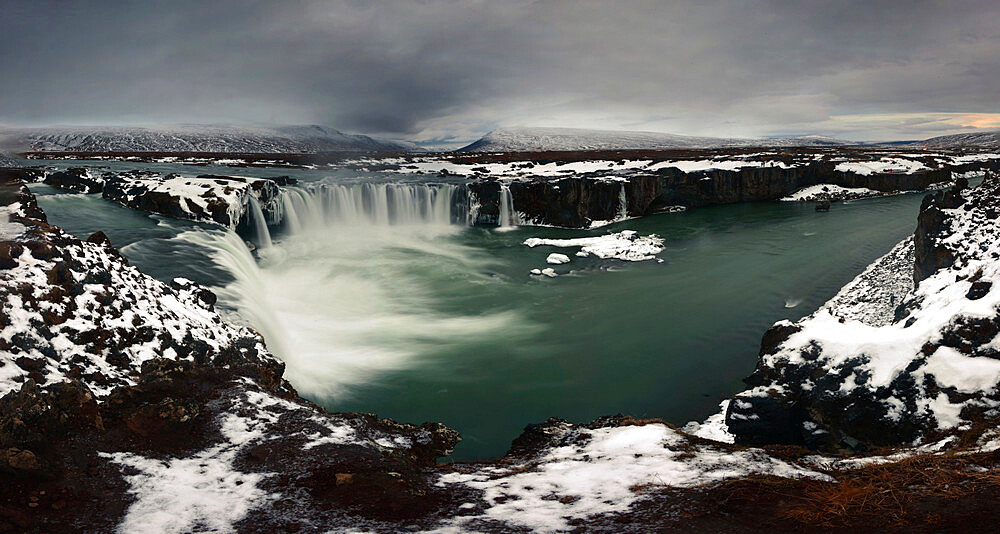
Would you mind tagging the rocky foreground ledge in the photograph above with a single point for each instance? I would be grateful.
(129, 405)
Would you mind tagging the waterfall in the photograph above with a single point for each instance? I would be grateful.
(508, 216)
(263, 235)
(290, 214)
(350, 288)
(622, 205)
(472, 209)
(306, 209)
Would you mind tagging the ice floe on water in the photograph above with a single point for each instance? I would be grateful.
(883, 165)
(557, 259)
(829, 192)
(626, 245)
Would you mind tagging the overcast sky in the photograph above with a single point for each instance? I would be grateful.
(440, 71)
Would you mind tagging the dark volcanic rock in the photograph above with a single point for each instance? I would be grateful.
(581, 200)
(813, 387)
(979, 289)
(931, 225)
(76, 179)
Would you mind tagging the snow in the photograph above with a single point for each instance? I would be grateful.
(206, 491)
(872, 297)
(725, 165)
(713, 428)
(200, 138)
(830, 192)
(10, 230)
(965, 140)
(856, 333)
(202, 492)
(535, 139)
(196, 197)
(129, 298)
(883, 165)
(612, 170)
(626, 245)
(606, 470)
(954, 369)
(557, 259)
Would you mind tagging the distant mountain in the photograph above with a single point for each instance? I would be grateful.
(198, 138)
(965, 140)
(562, 139)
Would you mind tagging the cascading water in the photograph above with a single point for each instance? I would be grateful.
(349, 288)
(508, 216)
(262, 234)
(622, 205)
(371, 204)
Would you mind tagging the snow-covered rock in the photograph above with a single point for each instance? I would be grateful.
(626, 245)
(76, 309)
(830, 192)
(557, 259)
(887, 363)
(223, 200)
(881, 165)
(561, 472)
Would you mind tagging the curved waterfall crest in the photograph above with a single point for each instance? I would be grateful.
(346, 291)
(303, 209)
(509, 217)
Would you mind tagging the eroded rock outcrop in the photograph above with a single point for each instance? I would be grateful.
(886, 363)
(590, 200)
(223, 200)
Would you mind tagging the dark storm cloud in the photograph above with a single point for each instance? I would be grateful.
(434, 69)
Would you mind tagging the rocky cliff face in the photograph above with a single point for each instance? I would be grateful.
(577, 202)
(894, 362)
(223, 200)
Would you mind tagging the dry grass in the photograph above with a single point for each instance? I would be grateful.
(890, 494)
(632, 421)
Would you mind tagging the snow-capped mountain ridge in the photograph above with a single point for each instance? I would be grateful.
(573, 139)
(989, 139)
(201, 138)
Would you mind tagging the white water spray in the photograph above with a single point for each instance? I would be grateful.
(622, 205)
(263, 235)
(368, 205)
(508, 215)
(347, 291)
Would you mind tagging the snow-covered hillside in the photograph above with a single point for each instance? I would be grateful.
(546, 139)
(200, 138)
(966, 140)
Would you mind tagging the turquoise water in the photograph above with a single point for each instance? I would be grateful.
(445, 324)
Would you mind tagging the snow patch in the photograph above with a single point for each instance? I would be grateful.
(626, 245)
